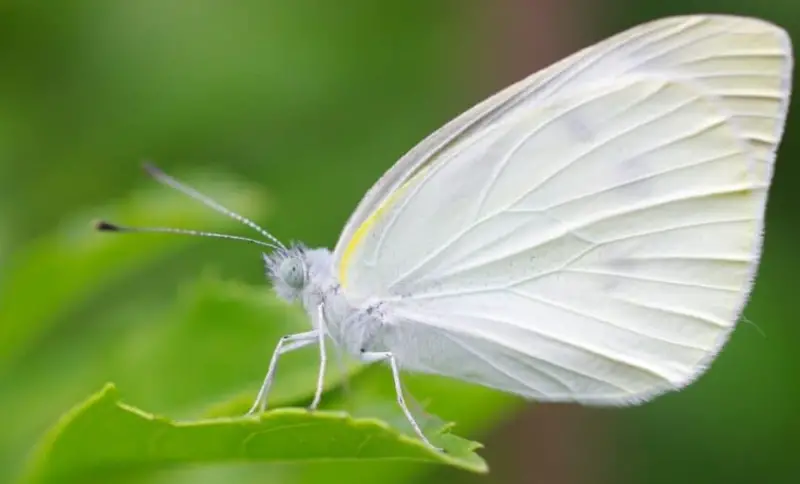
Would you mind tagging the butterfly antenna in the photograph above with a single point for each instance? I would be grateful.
(171, 182)
(103, 226)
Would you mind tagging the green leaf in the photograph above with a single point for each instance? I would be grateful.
(67, 268)
(104, 438)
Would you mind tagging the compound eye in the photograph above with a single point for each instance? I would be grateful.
(293, 273)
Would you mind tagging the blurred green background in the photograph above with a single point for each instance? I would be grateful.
(289, 111)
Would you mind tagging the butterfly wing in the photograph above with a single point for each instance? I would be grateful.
(595, 238)
(729, 55)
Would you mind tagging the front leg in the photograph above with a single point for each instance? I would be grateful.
(359, 329)
(285, 345)
(322, 330)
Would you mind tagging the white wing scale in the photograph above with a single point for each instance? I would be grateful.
(596, 239)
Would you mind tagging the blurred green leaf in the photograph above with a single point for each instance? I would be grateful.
(104, 436)
(66, 268)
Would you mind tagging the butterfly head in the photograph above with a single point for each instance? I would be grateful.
(288, 271)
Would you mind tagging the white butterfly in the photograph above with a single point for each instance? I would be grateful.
(589, 234)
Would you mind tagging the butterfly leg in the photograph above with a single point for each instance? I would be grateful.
(285, 345)
(370, 357)
(321, 332)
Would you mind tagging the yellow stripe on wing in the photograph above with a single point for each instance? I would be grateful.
(366, 225)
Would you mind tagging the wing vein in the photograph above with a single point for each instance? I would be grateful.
(729, 190)
(570, 309)
(708, 320)
(436, 253)
(461, 269)
(650, 176)
(670, 47)
(502, 368)
(617, 136)
(617, 360)
(598, 192)
(632, 277)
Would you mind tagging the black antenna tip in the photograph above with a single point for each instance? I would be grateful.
(103, 226)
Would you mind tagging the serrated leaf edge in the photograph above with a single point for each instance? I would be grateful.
(109, 391)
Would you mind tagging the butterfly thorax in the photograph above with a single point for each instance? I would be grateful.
(306, 275)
